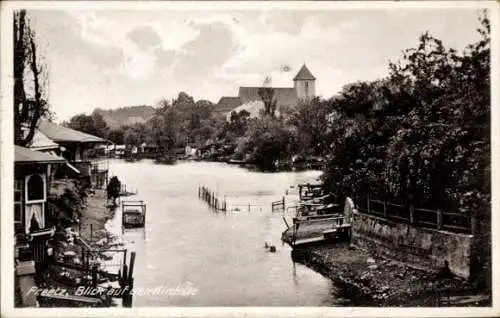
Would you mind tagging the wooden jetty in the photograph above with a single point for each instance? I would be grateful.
(133, 213)
(317, 221)
(278, 205)
(209, 196)
(308, 191)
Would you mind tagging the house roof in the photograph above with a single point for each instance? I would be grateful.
(227, 104)
(42, 142)
(285, 96)
(63, 134)
(304, 74)
(26, 156)
(253, 107)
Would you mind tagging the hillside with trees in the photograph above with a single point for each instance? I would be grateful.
(126, 116)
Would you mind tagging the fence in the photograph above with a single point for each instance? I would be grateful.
(278, 205)
(438, 219)
(210, 197)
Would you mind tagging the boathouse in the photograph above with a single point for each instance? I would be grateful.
(75, 148)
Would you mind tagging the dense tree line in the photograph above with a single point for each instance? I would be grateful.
(422, 133)
(421, 136)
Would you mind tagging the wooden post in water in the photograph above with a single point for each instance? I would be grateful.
(91, 230)
(283, 203)
(129, 282)
(124, 257)
(132, 261)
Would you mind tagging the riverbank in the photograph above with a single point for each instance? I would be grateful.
(371, 280)
(93, 218)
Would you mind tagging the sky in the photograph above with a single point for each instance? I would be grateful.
(111, 58)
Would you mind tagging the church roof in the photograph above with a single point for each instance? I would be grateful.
(285, 96)
(227, 104)
(304, 74)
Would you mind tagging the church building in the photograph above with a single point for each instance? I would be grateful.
(248, 98)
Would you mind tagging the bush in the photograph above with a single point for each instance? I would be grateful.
(114, 188)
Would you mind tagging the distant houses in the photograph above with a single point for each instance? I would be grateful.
(248, 98)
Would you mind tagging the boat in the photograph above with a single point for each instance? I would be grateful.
(236, 162)
(133, 214)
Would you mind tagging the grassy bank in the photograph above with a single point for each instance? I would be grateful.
(370, 280)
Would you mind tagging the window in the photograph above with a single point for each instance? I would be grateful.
(18, 201)
(35, 188)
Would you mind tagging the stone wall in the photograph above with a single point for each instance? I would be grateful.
(420, 247)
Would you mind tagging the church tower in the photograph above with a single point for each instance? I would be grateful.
(304, 83)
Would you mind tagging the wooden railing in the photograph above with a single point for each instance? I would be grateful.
(278, 205)
(438, 219)
(100, 165)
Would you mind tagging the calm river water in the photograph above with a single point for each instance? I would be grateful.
(220, 257)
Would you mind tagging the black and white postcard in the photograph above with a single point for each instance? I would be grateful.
(264, 159)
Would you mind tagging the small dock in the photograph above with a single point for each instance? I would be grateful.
(314, 230)
(133, 213)
(316, 220)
